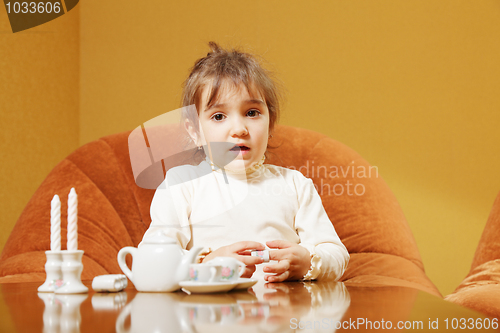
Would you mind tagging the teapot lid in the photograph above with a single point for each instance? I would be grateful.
(159, 237)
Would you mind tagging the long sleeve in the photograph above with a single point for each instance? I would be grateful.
(317, 234)
(169, 212)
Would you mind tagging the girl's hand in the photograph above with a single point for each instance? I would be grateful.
(240, 251)
(293, 261)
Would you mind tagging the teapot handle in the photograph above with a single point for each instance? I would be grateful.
(123, 264)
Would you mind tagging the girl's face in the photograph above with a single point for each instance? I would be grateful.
(235, 128)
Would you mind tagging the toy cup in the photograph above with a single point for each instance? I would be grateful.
(205, 273)
(232, 269)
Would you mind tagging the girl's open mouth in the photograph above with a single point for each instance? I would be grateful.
(240, 148)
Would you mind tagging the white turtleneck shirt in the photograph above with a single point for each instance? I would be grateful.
(203, 207)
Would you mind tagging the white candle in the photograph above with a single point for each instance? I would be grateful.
(72, 221)
(55, 224)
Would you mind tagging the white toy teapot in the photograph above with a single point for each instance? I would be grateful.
(158, 264)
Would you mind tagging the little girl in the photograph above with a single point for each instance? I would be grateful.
(232, 203)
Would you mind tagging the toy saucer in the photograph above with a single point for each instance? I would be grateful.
(207, 287)
(243, 283)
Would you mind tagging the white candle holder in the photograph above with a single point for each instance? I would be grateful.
(72, 268)
(53, 271)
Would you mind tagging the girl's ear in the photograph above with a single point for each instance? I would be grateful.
(193, 133)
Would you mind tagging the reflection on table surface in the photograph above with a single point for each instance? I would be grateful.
(282, 307)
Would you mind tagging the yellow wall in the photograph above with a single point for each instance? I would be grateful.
(411, 85)
(39, 100)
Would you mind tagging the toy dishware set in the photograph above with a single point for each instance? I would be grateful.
(158, 264)
(178, 268)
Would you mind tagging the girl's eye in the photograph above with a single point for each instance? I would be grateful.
(218, 117)
(253, 113)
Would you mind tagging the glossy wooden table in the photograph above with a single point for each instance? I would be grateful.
(285, 307)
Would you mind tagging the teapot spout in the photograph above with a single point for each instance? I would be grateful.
(187, 259)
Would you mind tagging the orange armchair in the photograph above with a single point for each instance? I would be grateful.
(113, 211)
(480, 290)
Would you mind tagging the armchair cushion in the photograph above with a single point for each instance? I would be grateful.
(480, 290)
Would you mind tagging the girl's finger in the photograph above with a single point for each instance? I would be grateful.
(276, 255)
(282, 254)
(249, 261)
(247, 245)
(249, 270)
(245, 252)
(279, 244)
(278, 268)
(279, 277)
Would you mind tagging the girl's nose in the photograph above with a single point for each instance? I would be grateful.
(239, 128)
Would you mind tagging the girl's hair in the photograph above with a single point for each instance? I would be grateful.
(221, 66)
